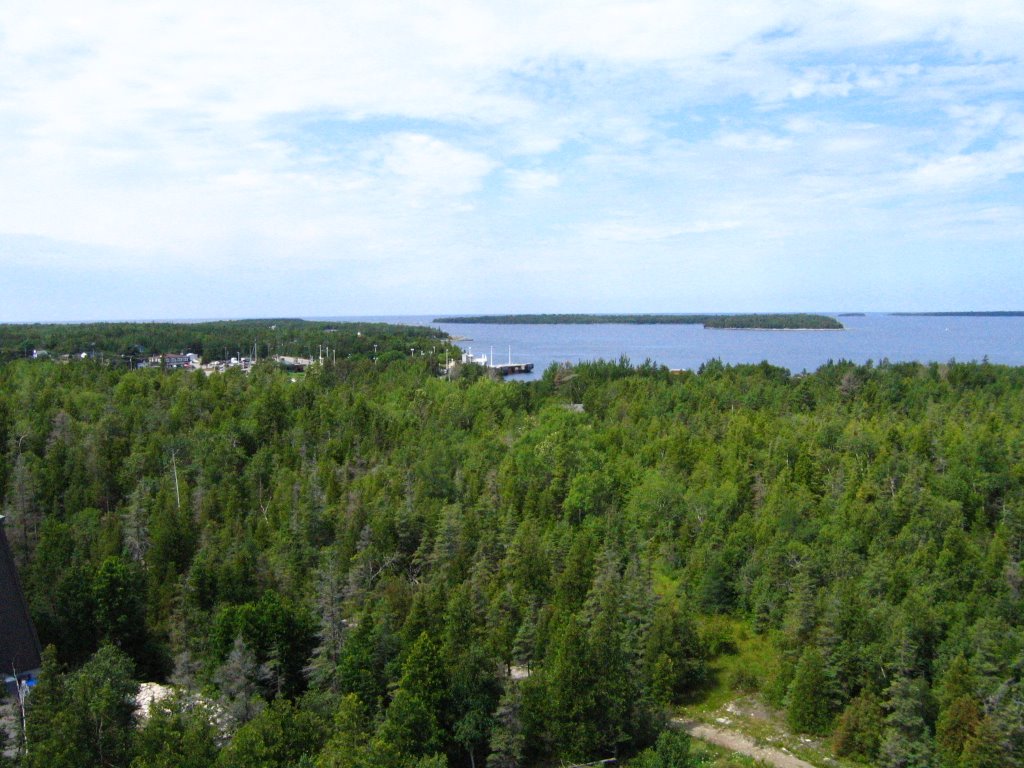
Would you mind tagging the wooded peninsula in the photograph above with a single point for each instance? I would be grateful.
(739, 322)
(378, 563)
(126, 343)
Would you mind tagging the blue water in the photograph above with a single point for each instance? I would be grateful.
(872, 337)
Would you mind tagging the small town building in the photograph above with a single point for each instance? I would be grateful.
(172, 360)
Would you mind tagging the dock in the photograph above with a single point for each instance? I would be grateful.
(508, 369)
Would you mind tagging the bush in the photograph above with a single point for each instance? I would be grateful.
(717, 636)
(744, 680)
(671, 751)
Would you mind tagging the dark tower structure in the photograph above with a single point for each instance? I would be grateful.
(19, 645)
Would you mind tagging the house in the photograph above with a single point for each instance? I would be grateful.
(19, 644)
(290, 363)
(171, 360)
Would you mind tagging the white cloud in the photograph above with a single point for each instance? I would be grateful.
(762, 142)
(426, 168)
(532, 181)
(635, 232)
(970, 170)
(154, 131)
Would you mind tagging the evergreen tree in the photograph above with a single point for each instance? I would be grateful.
(359, 669)
(983, 748)
(240, 680)
(177, 733)
(571, 683)
(907, 742)
(507, 740)
(411, 726)
(674, 654)
(322, 670)
(859, 731)
(809, 707)
(348, 745)
(414, 723)
(120, 598)
(672, 750)
(280, 736)
(84, 718)
(23, 517)
(958, 722)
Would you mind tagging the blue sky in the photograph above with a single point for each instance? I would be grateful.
(312, 159)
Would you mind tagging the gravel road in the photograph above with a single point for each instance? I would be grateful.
(737, 742)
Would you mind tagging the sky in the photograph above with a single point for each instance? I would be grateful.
(264, 159)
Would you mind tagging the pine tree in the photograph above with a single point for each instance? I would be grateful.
(322, 669)
(177, 733)
(24, 518)
(119, 592)
(135, 524)
(507, 740)
(411, 725)
(84, 718)
(415, 719)
(956, 682)
(571, 687)
(524, 647)
(958, 722)
(859, 731)
(281, 736)
(801, 610)
(907, 743)
(983, 748)
(350, 736)
(423, 675)
(809, 709)
(240, 679)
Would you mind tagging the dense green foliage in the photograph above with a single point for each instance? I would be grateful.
(127, 343)
(371, 566)
(759, 321)
(774, 322)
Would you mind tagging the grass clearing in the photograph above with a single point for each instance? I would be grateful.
(732, 698)
(750, 665)
(709, 756)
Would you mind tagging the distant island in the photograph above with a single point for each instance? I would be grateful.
(1011, 313)
(769, 322)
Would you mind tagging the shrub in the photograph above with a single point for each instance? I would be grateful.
(717, 636)
(745, 680)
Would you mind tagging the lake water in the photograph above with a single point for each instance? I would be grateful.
(871, 337)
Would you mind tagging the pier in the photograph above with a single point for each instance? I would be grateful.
(506, 369)
(487, 361)
(509, 368)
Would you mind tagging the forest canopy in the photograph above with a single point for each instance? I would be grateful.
(372, 565)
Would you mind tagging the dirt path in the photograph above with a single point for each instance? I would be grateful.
(737, 742)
